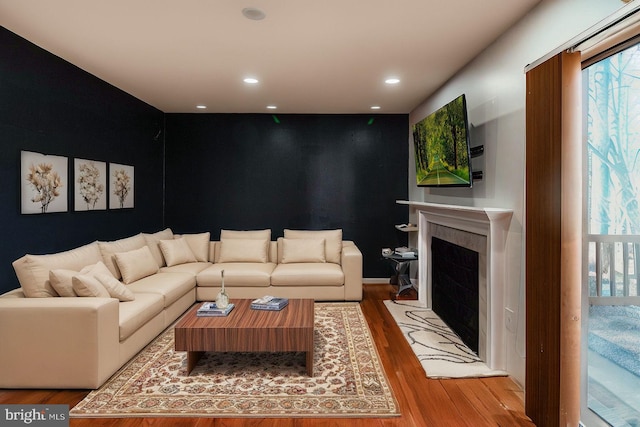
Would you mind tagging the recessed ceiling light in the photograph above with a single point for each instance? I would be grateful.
(253, 13)
(392, 81)
(201, 107)
(271, 107)
(375, 107)
(251, 80)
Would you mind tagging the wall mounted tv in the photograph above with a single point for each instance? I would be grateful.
(441, 142)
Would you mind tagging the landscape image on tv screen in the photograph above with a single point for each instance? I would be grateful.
(442, 147)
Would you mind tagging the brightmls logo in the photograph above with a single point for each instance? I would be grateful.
(34, 415)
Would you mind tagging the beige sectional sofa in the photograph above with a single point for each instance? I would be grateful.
(81, 314)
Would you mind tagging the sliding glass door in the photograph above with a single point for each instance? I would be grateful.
(611, 287)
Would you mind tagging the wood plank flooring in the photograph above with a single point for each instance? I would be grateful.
(425, 402)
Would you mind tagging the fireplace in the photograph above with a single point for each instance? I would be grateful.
(481, 230)
(455, 289)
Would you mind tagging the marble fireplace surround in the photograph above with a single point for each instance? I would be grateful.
(480, 229)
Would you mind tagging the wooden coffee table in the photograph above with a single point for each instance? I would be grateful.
(247, 330)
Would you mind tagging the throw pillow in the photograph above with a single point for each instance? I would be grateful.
(244, 250)
(176, 251)
(95, 269)
(115, 288)
(88, 286)
(303, 250)
(136, 264)
(199, 244)
(333, 241)
(109, 249)
(153, 241)
(61, 280)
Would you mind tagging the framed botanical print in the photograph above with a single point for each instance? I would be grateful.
(43, 183)
(90, 182)
(121, 182)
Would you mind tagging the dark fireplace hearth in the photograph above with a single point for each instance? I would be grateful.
(455, 287)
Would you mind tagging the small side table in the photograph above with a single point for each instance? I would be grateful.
(400, 264)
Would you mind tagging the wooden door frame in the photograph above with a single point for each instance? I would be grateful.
(553, 240)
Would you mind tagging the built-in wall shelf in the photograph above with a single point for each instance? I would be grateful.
(407, 227)
(477, 151)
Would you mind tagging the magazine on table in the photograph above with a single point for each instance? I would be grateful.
(269, 302)
(210, 309)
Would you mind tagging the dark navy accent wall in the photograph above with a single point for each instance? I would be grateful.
(252, 171)
(50, 106)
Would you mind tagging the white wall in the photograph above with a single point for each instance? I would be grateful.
(494, 84)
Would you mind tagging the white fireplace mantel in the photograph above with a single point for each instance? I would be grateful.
(493, 223)
(472, 213)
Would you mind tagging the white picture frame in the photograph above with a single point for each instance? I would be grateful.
(43, 183)
(90, 185)
(121, 186)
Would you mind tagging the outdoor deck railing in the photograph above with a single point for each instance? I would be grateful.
(614, 269)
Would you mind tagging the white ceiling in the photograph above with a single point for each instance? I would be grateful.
(320, 56)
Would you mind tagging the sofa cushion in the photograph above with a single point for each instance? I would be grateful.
(115, 288)
(199, 244)
(136, 264)
(33, 270)
(302, 250)
(237, 274)
(86, 285)
(172, 286)
(191, 268)
(176, 251)
(153, 241)
(109, 249)
(244, 250)
(333, 241)
(246, 234)
(134, 314)
(307, 274)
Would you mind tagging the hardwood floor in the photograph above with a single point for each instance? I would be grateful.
(425, 402)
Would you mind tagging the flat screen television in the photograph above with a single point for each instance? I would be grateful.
(441, 142)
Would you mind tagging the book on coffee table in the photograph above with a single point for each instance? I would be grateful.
(210, 309)
(269, 302)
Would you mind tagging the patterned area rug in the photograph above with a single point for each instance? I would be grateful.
(440, 351)
(348, 380)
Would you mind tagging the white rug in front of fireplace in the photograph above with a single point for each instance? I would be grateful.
(440, 351)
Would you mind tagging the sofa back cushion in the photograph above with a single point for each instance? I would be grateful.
(199, 244)
(246, 234)
(333, 242)
(255, 249)
(33, 270)
(109, 249)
